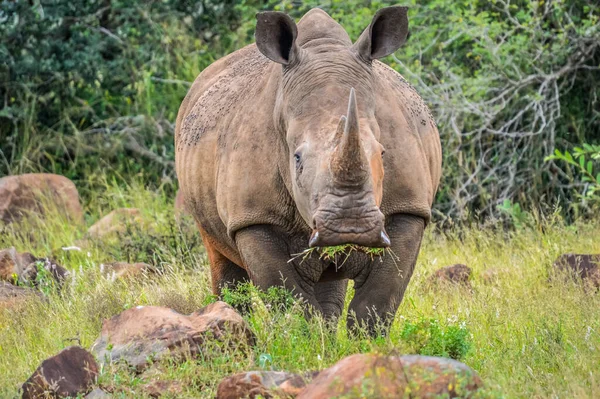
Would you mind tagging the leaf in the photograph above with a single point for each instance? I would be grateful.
(569, 157)
(590, 167)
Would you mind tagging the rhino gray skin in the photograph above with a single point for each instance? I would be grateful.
(280, 146)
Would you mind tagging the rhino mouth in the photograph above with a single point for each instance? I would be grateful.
(363, 228)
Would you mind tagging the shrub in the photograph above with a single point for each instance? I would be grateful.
(430, 337)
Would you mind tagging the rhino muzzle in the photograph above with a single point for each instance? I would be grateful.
(367, 230)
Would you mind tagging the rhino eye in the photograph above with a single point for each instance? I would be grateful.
(297, 158)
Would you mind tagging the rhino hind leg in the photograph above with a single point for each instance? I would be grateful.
(224, 272)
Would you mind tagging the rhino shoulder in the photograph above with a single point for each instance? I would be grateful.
(417, 110)
(217, 91)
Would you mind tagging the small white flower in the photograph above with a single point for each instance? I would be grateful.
(71, 248)
(319, 357)
(89, 255)
(588, 333)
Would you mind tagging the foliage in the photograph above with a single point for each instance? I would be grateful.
(429, 337)
(241, 297)
(586, 162)
(87, 84)
(92, 88)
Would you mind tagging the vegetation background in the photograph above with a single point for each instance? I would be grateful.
(91, 89)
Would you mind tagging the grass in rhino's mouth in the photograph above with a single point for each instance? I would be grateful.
(340, 253)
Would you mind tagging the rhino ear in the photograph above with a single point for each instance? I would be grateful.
(386, 33)
(276, 36)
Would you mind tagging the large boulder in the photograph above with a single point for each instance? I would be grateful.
(71, 372)
(37, 192)
(116, 222)
(145, 333)
(265, 384)
(583, 266)
(12, 296)
(374, 376)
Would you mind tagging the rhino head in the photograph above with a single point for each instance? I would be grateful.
(325, 109)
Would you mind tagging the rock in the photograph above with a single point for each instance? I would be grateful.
(115, 222)
(458, 274)
(12, 296)
(58, 273)
(71, 372)
(33, 193)
(151, 332)
(13, 264)
(491, 276)
(156, 389)
(374, 376)
(125, 270)
(582, 266)
(267, 384)
(97, 394)
(23, 267)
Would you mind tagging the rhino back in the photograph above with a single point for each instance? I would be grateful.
(412, 161)
(226, 147)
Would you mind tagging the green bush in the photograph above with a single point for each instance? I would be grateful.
(91, 87)
(88, 84)
(429, 337)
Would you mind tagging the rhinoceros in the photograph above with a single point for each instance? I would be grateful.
(305, 139)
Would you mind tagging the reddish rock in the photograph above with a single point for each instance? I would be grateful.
(35, 193)
(491, 276)
(115, 222)
(151, 332)
(582, 266)
(456, 274)
(12, 296)
(98, 394)
(13, 264)
(267, 384)
(125, 270)
(158, 388)
(373, 376)
(71, 372)
(24, 267)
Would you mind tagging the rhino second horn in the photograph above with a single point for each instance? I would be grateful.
(349, 163)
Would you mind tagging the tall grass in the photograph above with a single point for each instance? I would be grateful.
(525, 336)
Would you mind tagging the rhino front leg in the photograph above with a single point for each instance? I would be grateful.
(380, 288)
(265, 252)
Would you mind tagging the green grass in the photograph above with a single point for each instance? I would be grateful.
(524, 336)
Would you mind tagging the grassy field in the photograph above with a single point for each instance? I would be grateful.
(527, 338)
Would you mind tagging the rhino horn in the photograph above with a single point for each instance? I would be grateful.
(349, 163)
